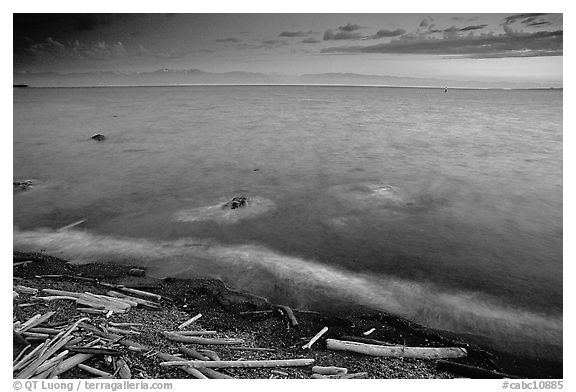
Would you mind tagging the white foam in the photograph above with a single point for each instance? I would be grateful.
(526, 332)
(256, 206)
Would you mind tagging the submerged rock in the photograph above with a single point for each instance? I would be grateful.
(21, 186)
(236, 202)
(99, 137)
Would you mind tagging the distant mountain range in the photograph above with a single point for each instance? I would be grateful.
(196, 76)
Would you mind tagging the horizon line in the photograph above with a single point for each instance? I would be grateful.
(292, 84)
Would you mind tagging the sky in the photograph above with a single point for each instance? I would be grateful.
(484, 47)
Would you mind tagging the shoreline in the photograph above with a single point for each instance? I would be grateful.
(221, 309)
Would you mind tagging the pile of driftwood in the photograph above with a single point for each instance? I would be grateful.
(50, 349)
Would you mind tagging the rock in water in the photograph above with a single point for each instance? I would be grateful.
(236, 202)
(99, 137)
(21, 186)
(137, 272)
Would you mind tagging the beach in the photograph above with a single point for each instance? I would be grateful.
(233, 314)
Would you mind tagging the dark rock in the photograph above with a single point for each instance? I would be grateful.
(99, 137)
(21, 186)
(137, 272)
(236, 202)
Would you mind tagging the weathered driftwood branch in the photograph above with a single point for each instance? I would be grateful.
(368, 341)
(139, 301)
(315, 338)
(34, 321)
(190, 321)
(141, 293)
(192, 353)
(190, 370)
(94, 371)
(94, 350)
(289, 315)
(250, 364)
(123, 331)
(49, 331)
(26, 290)
(252, 349)
(125, 324)
(198, 340)
(329, 370)
(397, 351)
(469, 371)
(369, 331)
(62, 292)
(212, 355)
(71, 362)
(50, 298)
(114, 337)
(255, 312)
(124, 371)
(191, 333)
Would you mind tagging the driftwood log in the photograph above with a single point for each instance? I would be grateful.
(249, 364)
(368, 341)
(469, 371)
(397, 351)
(315, 338)
(198, 340)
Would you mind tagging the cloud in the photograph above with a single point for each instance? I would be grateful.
(540, 23)
(503, 45)
(475, 27)
(329, 35)
(349, 27)
(388, 33)
(310, 41)
(290, 34)
(522, 17)
(232, 40)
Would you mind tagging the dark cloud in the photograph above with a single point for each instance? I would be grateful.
(540, 23)
(475, 27)
(36, 28)
(388, 33)
(521, 17)
(231, 40)
(310, 41)
(349, 27)
(424, 23)
(329, 35)
(290, 34)
(505, 45)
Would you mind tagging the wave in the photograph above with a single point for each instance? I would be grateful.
(308, 284)
(256, 206)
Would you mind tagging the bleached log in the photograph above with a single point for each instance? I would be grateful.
(396, 351)
(191, 333)
(198, 340)
(289, 314)
(368, 341)
(62, 292)
(139, 301)
(26, 290)
(329, 370)
(192, 353)
(249, 364)
(469, 371)
(187, 323)
(190, 370)
(315, 338)
(94, 371)
(212, 355)
(123, 331)
(49, 298)
(34, 321)
(141, 293)
(71, 362)
(252, 349)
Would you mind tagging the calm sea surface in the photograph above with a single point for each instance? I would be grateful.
(445, 208)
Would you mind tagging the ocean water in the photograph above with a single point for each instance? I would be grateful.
(445, 208)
